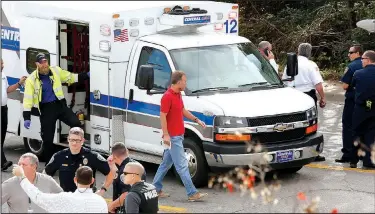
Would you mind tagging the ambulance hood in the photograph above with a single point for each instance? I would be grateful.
(261, 102)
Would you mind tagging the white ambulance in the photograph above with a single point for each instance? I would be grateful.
(130, 49)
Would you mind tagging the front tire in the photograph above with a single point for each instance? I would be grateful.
(196, 163)
(38, 148)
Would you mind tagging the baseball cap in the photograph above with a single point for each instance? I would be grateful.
(40, 57)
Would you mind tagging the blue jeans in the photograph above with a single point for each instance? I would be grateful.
(176, 156)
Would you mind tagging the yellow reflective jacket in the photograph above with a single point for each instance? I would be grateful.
(33, 86)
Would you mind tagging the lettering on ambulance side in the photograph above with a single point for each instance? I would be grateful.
(10, 38)
(197, 20)
(151, 194)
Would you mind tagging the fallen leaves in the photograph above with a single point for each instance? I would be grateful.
(301, 196)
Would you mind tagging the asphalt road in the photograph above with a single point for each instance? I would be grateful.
(338, 186)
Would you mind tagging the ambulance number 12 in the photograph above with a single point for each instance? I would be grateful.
(232, 24)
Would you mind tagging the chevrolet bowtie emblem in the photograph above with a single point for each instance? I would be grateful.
(280, 127)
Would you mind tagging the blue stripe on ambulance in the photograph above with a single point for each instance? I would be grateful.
(135, 106)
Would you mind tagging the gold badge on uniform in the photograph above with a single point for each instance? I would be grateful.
(85, 161)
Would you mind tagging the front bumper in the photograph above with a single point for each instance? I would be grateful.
(308, 148)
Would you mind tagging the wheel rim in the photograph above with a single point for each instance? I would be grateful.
(192, 162)
(35, 145)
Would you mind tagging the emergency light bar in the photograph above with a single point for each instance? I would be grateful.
(178, 17)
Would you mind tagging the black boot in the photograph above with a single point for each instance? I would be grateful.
(319, 158)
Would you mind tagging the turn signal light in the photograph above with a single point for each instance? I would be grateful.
(115, 16)
(232, 137)
(234, 7)
(312, 129)
(186, 8)
(167, 10)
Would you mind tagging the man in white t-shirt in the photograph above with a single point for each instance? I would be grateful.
(309, 80)
(5, 90)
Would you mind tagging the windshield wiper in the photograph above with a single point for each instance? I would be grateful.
(254, 84)
(210, 89)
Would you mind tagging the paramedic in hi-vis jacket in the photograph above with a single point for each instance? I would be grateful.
(43, 91)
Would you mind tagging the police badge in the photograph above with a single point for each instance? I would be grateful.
(85, 161)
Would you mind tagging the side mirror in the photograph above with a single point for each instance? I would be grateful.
(292, 65)
(145, 78)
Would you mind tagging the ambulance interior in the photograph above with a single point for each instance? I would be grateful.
(74, 57)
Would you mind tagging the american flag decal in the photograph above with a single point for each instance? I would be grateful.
(121, 35)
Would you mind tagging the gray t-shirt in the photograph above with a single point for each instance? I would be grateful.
(16, 198)
(132, 202)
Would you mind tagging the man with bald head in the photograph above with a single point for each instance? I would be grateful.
(142, 197)
(364, 110)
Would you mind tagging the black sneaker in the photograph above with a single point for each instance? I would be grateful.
(353, 165)
(319, 158)
(6, 165)
(369, 167)
(342, 160)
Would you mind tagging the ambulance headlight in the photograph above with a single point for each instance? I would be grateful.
(311, 113)
(230, 122)
(105, 46)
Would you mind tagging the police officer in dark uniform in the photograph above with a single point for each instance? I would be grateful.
(354, 55)
(363, 122)
(142, 197)
(120, 156)
(67, 161)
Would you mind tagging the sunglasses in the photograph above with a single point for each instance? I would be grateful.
(364, 58)
(122, 177)
(130, 173)
(352, 52)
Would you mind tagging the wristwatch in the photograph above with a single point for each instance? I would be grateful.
(103, 188)
(19, 84)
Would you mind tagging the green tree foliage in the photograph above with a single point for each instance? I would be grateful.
(330, 26)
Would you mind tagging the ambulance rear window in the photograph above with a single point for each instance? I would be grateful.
(30, 58)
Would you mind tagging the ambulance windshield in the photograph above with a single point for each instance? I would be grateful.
(224, 67)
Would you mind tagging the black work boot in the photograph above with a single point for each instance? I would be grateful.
(319, 158)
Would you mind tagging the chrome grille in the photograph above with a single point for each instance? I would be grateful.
(271, 120)
(279, 137)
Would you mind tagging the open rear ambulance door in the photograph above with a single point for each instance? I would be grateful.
(38, 35)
